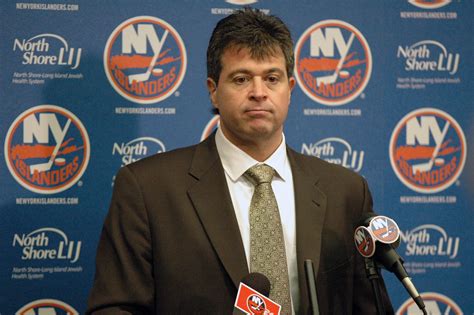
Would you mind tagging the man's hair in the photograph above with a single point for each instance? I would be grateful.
(263, 35)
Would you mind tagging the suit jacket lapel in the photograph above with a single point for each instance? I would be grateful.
(310, 207)
(211, 199)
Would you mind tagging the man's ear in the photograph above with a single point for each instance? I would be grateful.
(212, 88)
(292, 83)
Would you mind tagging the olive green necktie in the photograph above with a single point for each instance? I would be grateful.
(267, 245)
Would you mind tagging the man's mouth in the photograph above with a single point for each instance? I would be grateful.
(257, 110)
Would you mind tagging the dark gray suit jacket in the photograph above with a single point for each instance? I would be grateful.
(171, 244)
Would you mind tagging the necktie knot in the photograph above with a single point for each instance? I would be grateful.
(261, 173)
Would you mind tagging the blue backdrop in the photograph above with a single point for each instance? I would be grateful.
(383, 88)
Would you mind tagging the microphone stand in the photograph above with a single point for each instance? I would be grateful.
(312, 295)
(373, 275)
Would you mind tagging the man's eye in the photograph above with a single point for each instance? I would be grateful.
(273, 79)
(240, 80)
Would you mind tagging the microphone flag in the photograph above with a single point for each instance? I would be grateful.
(253, 302)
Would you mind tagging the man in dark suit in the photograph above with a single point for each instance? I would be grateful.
(176, 238)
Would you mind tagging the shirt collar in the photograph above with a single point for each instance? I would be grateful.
(236, 162)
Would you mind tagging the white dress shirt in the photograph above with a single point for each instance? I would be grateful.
(235, 163)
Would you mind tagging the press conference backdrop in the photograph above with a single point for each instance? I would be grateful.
(383, 88)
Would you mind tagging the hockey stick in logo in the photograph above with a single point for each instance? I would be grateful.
(140, 77)
(41, 167)
(424, 167)
(329, 79)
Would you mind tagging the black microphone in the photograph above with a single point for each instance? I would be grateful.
(258, 282)
(377, 236)
(313, 297)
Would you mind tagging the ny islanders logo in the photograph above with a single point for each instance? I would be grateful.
(47, 149)
(428, 150)
(333, 62)
(241, 2)
(211, 126)
(256, 304)
(47, 307)
(251, 302)
(384, 229)
(429, 4)
(364, 241)
(435, 303)
(145, 59)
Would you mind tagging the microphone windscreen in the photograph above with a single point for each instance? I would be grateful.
(258, 282)
(396, 244)
(365, 218)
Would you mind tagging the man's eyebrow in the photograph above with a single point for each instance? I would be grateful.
(239, 71)
(275, 70)
(247, 71)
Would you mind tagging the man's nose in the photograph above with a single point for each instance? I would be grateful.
(258, 89)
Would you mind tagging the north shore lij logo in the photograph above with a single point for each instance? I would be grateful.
(428, 56)
(429, 240)
(47, 50)
(137, 149)
(145, 59)
(47, 149)
(47, 243)
(333, 62)
(428, 150)
(337, 151)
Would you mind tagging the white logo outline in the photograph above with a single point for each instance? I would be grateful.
(402, 124)
(354, 32)
(85, 137)
(179, 41)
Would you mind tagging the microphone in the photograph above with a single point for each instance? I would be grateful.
(258, 282)
(252, 297)
(377, 236)
(313, 297)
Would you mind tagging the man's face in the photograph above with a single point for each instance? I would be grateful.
(252, 97)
